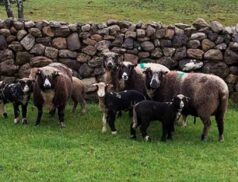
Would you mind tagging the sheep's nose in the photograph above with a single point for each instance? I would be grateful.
(125, 77)
(47, 84)
(154, 84)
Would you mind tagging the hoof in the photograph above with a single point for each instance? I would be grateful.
(132, 137)
(104, 130)
(24, 121)
(114, 132)
(16, 120)
(62, 125)
(147, 139)
(221, 138)
(170, 138)
(83, 111)
(203, 138)
(5, 115)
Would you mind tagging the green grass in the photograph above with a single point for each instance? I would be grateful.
(80, 152)
(165, 11)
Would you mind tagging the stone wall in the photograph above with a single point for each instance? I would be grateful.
(24, 45)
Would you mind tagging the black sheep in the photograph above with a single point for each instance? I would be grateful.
(19, 94)
(166, 112)
(112, 102)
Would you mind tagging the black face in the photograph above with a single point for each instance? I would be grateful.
(46, 81)
(125, 71)
(26, 85)
(180, 101)
(153, 79)
(110, 62)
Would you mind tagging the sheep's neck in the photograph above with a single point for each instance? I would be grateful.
(102, 104)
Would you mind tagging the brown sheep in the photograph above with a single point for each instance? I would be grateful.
(78, 95)
(52, 89)
(208, 95)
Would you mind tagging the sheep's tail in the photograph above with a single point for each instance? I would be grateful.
(221, 110)
(134, 118)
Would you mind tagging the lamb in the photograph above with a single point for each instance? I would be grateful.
(17, 93)
(78, 95)
(112, 102)
(167, 112)
(208, 95)
(110, 64)
(52, 89)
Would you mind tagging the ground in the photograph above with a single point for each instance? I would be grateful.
(165, 11)
(80, 152)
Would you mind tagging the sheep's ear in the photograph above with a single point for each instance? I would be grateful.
(95, 84)
(109, 86)
(187, 99)
(147, 70)
(131, 67)
(38, 72)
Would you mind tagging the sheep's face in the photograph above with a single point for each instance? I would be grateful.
(179, 101)
(26, 85)
(102, 88)
(47, 78)
(110, 61)
(153, 79)
(125, 71)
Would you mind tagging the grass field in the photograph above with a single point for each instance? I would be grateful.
(165, 11)
(80, 152)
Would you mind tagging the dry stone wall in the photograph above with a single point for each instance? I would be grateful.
(208, 47)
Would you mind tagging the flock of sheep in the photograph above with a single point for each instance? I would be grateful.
(149, 91)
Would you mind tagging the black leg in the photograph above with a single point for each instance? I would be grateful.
(5, 115)
(61, 116)
(170, 129)
(24, 112)
(16, 112)
(111, 116)
(130, 113)
(164, 131)
(39, 115)
(52, 112)
(132, 131)
(143, 129)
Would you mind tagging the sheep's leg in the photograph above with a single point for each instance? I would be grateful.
(207, 123)
(132, 131)
(220, 126)
(104, 123)
(170, 130)
(16, 112)
(61, 116)
(24, 112)
(143, 129)
(83, 103)
(52, 112)
(111, 116)
(119, 114)
(130, 112)
(39, 115)
(3, 110)
(164, 131)
(74, 106)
